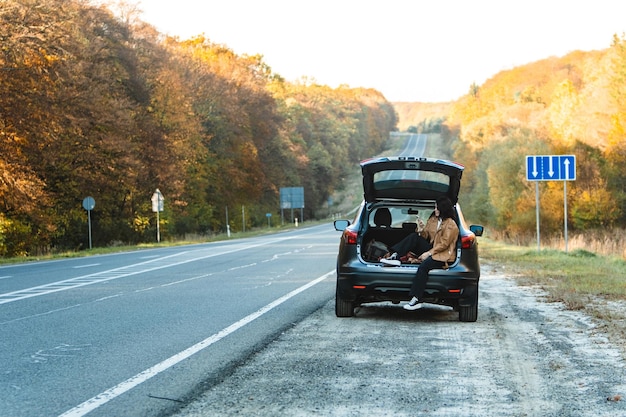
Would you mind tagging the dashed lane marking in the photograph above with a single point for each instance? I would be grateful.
(125, 271)
(112, 393)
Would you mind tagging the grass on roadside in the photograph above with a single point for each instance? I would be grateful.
(573, 277)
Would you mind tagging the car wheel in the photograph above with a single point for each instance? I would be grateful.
(343, 307)
(469, 314)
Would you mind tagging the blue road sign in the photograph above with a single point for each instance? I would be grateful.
(551, 167)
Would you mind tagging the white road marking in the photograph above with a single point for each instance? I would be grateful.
(114, 392)
(234, 268)
(85, 266)
(125, 271)
(45, 355)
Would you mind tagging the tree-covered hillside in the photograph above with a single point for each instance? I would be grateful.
(558, 106)
(95, 104)
(572, 105)
(103, 105)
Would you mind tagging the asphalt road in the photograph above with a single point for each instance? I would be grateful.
(247, 327)
(524, 357)
(139, 333)
(415, 144)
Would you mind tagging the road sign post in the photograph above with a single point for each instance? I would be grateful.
(551, 168)
(157, 206)
(88, 204)
(291, 198)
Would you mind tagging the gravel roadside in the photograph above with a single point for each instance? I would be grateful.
(523, 357)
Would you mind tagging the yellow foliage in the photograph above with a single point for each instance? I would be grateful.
(594, 208)
(617, 134)
(141, 223)
(563, 107)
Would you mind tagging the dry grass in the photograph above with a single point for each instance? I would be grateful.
(601, 242)
(578, 271)
(607, 243)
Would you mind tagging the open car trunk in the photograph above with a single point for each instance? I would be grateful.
(378, 238)
(410, 179)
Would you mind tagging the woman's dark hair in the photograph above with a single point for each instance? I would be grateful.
(446, 209)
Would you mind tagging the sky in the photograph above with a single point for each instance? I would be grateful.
(409, 50)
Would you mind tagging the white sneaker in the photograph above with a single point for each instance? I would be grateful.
(390, 262)
(414, 304)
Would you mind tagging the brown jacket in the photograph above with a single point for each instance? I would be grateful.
(430, 228)
(443, 239)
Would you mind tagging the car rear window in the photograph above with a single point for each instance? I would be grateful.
(411, 179)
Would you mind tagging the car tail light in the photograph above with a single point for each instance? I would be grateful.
(467, 241)
(349, 236)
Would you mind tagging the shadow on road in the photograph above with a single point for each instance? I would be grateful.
(395, 313)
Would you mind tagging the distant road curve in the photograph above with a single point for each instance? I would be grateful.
(415, 144)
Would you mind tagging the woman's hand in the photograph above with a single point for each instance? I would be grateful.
(424, 256)
(420, 226)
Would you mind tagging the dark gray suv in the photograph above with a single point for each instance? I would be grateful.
(396, 191)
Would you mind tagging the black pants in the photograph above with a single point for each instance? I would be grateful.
(413, 243)
(421, 277)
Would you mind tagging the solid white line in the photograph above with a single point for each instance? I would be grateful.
(116, 391)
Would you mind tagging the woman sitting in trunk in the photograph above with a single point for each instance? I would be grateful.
(435, 242)
(418, 246)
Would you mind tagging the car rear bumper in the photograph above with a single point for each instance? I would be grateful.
(373, 282)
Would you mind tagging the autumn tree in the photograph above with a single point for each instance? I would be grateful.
(616, 149)
(100, 104)
(31, 63)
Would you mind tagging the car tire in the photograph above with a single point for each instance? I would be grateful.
(343, 307)
(470, 313)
